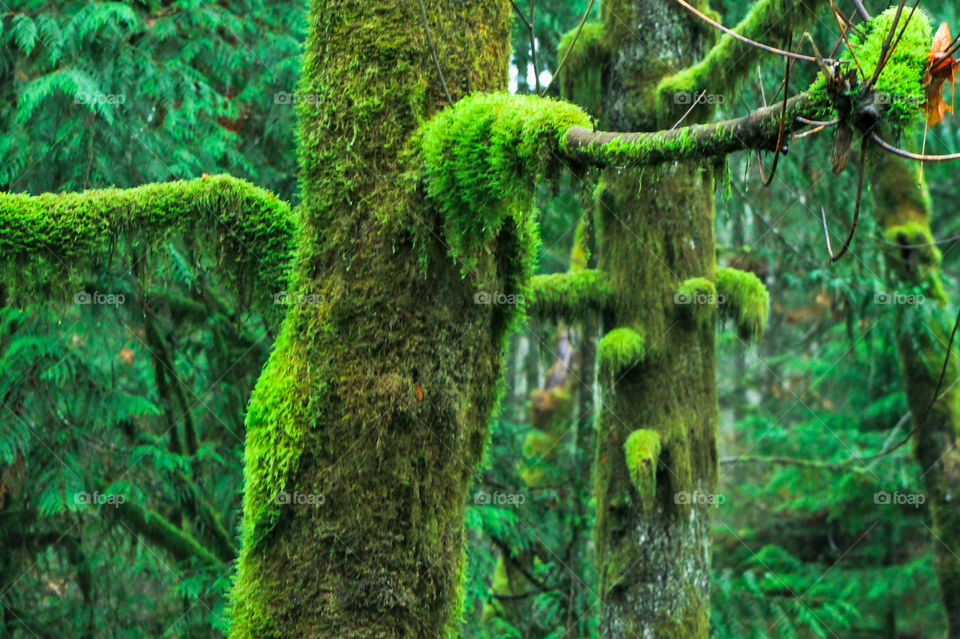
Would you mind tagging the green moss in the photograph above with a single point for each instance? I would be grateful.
(568, 296)
(696, 299)
(745, 301)
(581, 79)
(481, 159)
(898, 97)
(642, 449)
(620, 350)
(50, 240)
(769, 21)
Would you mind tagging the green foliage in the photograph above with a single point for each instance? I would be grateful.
(481, 160)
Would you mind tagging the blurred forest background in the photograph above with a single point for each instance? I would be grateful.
(146, 398)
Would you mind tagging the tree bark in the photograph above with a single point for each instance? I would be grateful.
(376, 401)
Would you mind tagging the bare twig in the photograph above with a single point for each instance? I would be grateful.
(856, 207)
(913, 156)
(573, 43)
(433, 52)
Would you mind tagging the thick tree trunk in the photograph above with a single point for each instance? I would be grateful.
(924, 330)
(379, 397)
(655, 230)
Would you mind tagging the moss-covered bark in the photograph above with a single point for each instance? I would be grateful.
(379, 398)
(923, 331)
(657, 425)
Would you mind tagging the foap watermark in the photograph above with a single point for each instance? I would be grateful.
(698, 499)
(99, 499)
(905, 299)
(283, 97)
(497, 299)
(299, 499)
(483, 498)
(896, 498)
(306, 299)
(98, 98)
(697, 297)
(98, 298)
(689, 97)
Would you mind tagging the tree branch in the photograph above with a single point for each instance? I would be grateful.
(772, 21)
(153, 527)
(48, 238)
(756, 130)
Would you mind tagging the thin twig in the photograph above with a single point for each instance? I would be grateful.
(573, 43)
(433, 52)
(744, 39)
(856, 207)
(695, 103)
(885, 48)
(913, 156)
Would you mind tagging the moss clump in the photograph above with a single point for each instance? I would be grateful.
(745, 301)
(696, 299)
(568, 296)
(481, 159)
(620, 350)
(898, 97)
(642, 449)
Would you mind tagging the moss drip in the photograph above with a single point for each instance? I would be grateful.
(642, 449)
(620, 350)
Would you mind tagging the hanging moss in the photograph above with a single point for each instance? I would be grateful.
(745, 301)
(642, 449)
(49, 240)
(696, 299)
(481, 159)
(620, 350)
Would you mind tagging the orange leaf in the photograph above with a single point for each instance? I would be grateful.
(942, 69)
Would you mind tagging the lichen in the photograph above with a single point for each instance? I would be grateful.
(745, 301)
(620, 350)
(642, 449)
(481, 159)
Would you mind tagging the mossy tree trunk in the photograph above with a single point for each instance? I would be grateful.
(378, 398)
(923, 333)
(654, 230)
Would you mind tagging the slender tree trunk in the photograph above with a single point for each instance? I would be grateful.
(372, 412)
(655, 230)
(923, 332)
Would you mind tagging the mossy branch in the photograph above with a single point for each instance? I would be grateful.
(157, 530)
(47, 238)
(756, 130)
(769, 21)
(570, 296)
